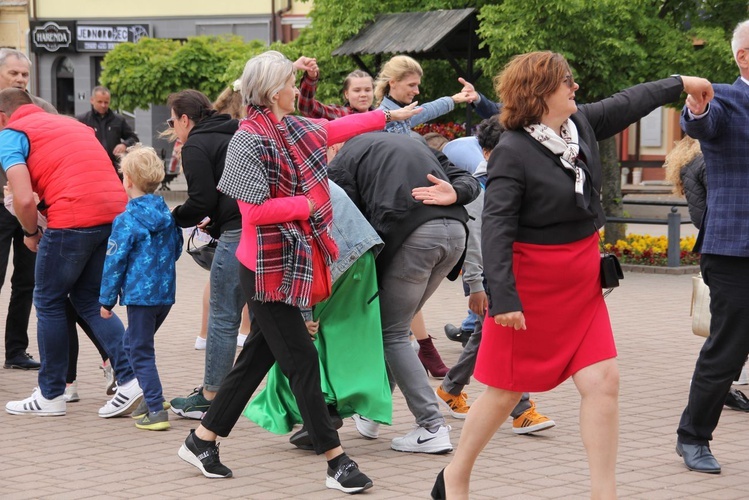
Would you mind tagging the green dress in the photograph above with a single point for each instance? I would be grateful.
(352, 361)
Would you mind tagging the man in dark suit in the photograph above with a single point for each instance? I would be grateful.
(722, 127)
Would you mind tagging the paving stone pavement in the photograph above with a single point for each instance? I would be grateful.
(83, 456)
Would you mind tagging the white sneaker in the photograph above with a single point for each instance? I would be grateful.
(124, 401)
(71, 393)
(421, 440)
(36, 404)
(200, 343)
(743, 378)
(240, 339)
(367, 428)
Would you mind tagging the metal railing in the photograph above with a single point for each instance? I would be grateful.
(673, 221)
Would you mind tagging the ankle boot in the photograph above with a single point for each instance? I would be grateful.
(431, 359)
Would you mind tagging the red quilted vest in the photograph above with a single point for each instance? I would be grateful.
(70, 171)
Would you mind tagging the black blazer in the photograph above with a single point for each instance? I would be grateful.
(530, 196)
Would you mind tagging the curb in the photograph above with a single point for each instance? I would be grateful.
(637, 268)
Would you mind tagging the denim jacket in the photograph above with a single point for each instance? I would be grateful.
(351, 232)
(430, 111)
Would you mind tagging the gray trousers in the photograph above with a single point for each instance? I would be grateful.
(425, 258)
(460, 374)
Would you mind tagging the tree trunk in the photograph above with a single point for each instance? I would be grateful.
(611, 189)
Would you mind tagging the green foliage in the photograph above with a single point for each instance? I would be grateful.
(144, 73)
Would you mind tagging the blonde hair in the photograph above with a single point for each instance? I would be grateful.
(143, 167)
(686, 150)
(397, 68)
(264, 76)
(230, 102)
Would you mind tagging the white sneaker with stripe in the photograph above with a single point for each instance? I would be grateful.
(36, 404)
(124, 401)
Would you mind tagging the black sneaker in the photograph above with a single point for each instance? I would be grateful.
(347, 478)
(206, 459)
(22, 361)
(736, 400)
(301, 438)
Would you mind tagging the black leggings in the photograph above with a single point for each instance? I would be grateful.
(278, 334)
(73, 345)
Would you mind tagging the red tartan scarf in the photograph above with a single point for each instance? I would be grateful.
(295, 164)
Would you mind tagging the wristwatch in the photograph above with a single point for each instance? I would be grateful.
(29, 235)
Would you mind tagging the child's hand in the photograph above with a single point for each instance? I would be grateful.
(105, 313)
(312, 328)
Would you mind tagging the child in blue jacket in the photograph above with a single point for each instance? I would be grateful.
(140, 268)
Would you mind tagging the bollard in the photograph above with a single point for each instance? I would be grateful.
(674, 238)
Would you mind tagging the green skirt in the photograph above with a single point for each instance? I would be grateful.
(352, 361)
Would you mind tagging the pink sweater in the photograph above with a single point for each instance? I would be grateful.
(296, 208)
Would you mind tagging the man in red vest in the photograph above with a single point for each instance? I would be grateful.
(60, 159)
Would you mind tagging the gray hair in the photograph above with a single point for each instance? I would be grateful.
(263, 77)
(5, 53)
(740, 38)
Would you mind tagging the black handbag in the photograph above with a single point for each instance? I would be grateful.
(203, 255)
(611, 270)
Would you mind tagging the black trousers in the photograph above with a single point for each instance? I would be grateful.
(74, 346)
(724, 351)
(21, 283)
(278, 334)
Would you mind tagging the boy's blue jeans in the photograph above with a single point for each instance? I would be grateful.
(69, 263)
(142, 324)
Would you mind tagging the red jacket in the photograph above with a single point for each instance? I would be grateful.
(70, 171)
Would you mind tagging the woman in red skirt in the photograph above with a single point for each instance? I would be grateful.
(541, 260)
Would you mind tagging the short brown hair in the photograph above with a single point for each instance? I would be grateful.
(143, 166)
(524, 84)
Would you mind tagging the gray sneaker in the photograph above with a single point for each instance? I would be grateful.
(193, 406)
(142, 409)
(157, 421)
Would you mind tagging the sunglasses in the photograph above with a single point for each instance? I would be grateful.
(569, 81)
(170, 122)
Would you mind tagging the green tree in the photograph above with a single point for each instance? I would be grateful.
(146, 72)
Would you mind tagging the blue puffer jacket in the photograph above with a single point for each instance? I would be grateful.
(140, 265)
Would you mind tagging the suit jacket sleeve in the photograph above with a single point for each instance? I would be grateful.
(485, 108)
(504, 192)
(610, 116)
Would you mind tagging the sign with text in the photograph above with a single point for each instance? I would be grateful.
(104, 37)
(52, 36)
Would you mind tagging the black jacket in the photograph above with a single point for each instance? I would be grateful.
(695, 188)
(111, 130)
(378, 171)
(530, 196)
(203, 157)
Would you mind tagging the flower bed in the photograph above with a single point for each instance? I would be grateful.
(449, 130)
(652, 250)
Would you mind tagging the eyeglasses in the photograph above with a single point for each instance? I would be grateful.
(170, 122)
(569, 81)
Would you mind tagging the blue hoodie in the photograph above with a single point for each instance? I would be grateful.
(140, 265)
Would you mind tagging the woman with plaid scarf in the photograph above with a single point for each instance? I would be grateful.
(276, 169)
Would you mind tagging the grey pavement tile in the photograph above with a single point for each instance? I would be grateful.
(84, 455)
